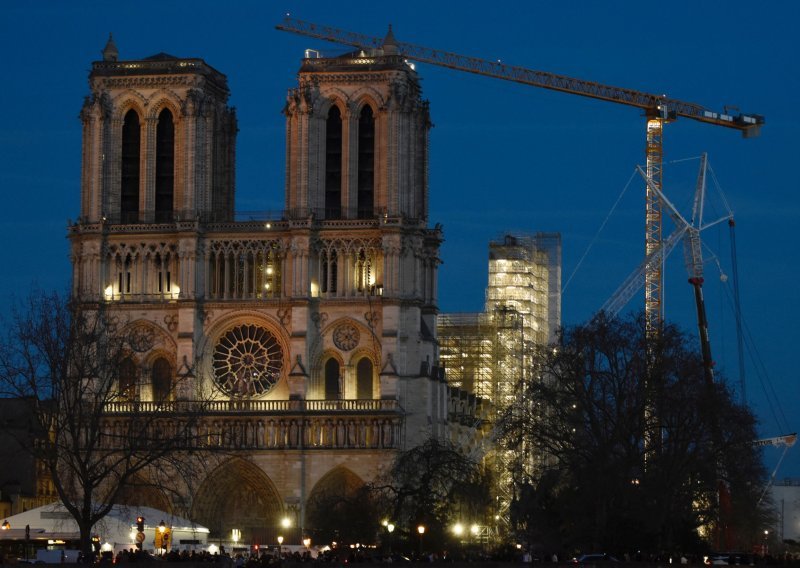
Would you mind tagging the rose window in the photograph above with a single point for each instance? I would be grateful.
(247, 361)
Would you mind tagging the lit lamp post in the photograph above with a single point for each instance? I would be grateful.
(421, 531)
(389, 530)
(307, 544)
(280, 544)
(162, 529)
(236, 534)
(286, 524)
(766, 546)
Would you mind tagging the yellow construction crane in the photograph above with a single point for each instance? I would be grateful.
(658, 110)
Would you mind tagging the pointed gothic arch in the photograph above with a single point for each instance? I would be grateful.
(165, 166)
(161, 375)
(130, 163)
(335, 496)
(332, 379)
(238, 494)
(128, 378)
(365, 207)
(365, 379)
(333, 162)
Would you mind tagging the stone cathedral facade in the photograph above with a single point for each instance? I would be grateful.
(312, 333)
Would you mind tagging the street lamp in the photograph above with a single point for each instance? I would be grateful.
(162, 528)
(280, 543)
(421, 531)
(766, 546)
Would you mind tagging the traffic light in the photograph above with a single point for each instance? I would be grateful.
(140, 524)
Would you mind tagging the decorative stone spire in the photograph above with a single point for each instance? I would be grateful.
(389, 43)
(110, 52)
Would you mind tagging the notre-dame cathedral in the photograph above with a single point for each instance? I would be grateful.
(320, 324)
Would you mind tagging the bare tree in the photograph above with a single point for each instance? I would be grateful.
(67, 367)
(633, 441)
(434, 484)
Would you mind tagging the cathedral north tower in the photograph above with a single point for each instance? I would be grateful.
(158, 141)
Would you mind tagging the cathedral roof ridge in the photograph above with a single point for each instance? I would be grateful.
(161, 56)
(158, 64)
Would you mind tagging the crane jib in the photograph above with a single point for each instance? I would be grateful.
(654, 105)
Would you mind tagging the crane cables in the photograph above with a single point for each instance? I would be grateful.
(597, 234)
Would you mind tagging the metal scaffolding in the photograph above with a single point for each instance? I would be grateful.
(489, 353)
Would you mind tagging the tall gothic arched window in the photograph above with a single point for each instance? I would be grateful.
(165, 166)
(162, 380)
(129, 187)
(364, 379)
(366, 163)
(333, 164)
(332, 390)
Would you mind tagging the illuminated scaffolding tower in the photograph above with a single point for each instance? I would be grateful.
(488, 353)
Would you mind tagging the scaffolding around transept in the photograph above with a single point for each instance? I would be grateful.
(489, 353)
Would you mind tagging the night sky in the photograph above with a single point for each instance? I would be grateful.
(504, 157)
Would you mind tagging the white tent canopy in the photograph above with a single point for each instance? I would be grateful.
(117, 529)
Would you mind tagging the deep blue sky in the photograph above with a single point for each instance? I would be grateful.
(503, 156)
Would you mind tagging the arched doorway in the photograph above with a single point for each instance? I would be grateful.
(238, 495)
(341, 495)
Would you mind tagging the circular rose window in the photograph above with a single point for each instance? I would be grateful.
(247, 360)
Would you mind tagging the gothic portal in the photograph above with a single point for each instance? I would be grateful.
(315, 331)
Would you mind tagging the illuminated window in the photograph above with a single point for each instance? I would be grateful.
(333, 164)
(165, 166)
(129, 190)
(366, 163)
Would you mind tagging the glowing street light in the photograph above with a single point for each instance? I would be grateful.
(280, 544)
(162, 528)
(421, 531)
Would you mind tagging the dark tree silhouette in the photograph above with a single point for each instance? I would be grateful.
(635, 445)
(434, 484)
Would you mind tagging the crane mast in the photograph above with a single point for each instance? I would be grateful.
(657, 108)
